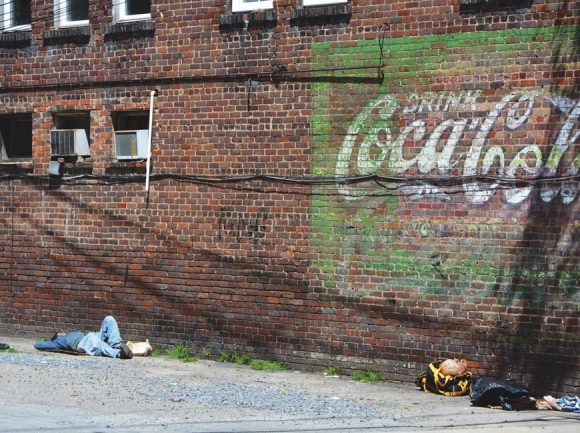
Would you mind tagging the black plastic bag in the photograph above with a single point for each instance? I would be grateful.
(488, 391)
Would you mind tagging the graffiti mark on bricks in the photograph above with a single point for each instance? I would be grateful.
(385, 138)
(238, 226)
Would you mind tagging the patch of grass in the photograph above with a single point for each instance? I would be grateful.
(331, 370)
(242, 359)
(206, 351)
(157, 352)
(181, 352)
(224, 357)
(190, 359)
(9, 350)
(261, 364)
(235, 358)
(257, 364)
(367, 376)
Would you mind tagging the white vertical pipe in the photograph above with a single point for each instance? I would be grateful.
(153, 92)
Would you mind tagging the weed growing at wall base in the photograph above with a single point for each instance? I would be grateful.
(235, 358)
(332, 371)
(261, 364)
(367, 376)
(181, 352)
(256, 364)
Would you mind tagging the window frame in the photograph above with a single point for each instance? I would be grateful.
(7, 21)
(60, 15)
(121, 16)
(251, 6)
(310, 3)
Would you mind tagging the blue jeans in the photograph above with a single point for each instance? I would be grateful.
(102, 343)
(68, 341)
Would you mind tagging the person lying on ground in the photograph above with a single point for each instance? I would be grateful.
(106, 342)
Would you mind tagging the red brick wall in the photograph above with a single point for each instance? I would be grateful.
(254, 264)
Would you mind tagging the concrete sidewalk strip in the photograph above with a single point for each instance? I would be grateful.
(59, 392)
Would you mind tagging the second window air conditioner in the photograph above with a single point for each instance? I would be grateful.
(132, 144)
(69, 142)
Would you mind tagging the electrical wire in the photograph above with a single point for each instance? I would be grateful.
(280, 73)
(58, 13)
(348, 180)
(381, 39)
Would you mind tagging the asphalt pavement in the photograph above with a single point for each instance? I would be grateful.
(51, 392)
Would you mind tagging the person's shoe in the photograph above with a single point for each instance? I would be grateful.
(125, 352)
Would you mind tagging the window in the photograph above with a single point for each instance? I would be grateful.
(15, 15)
(131, 134)
(322, 2)
(71, 134)
(15, 137)
(75, 120)
(132, 10)
(71, 13)
(251, 5)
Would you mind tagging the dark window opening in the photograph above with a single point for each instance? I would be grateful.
(15, 136)
(138, 7)
(78, 10)
(486, 6)
(21, 13)
(72, 121)
(131, 120)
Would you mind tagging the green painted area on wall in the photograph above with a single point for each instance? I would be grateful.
(369, 243)
(419, 56)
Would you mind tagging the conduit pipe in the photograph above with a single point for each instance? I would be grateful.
(148, 170)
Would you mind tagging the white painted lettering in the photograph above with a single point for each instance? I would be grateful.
(380, 149)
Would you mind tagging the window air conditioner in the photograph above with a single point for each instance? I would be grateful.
(132, 144)
(69, 142)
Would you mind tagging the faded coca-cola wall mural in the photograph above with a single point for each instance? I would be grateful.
(457, 178)
(449, 135)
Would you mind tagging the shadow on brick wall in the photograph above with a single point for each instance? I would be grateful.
(544, 285)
